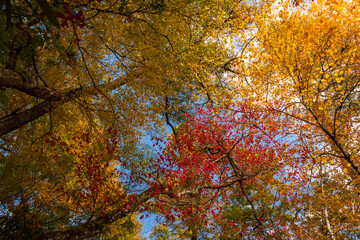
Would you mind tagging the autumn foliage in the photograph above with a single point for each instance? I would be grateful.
(213, 151)
(225, 119)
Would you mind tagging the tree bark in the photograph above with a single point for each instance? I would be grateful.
(12, 79)
(14, 121)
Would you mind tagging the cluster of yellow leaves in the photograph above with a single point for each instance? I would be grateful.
(62, 177)
(303, 63)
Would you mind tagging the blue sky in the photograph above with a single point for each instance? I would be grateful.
(148, 224)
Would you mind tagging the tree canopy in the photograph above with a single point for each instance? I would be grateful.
(226, 119)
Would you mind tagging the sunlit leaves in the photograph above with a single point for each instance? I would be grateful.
(302, 64)
(212, 151)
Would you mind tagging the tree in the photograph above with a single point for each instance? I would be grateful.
(314, 55)
(109, 72)
(150, 49)
(302, 63)
(211, 152)
(67, 179)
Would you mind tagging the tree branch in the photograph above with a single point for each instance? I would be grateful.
(12, 79)
(97, 225)
(12, 122)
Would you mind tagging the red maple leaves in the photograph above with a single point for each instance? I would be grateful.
(71, 17)
(214, 150)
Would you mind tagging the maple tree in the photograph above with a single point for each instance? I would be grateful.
(309, 58)
(302, 63)
(211, 152)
